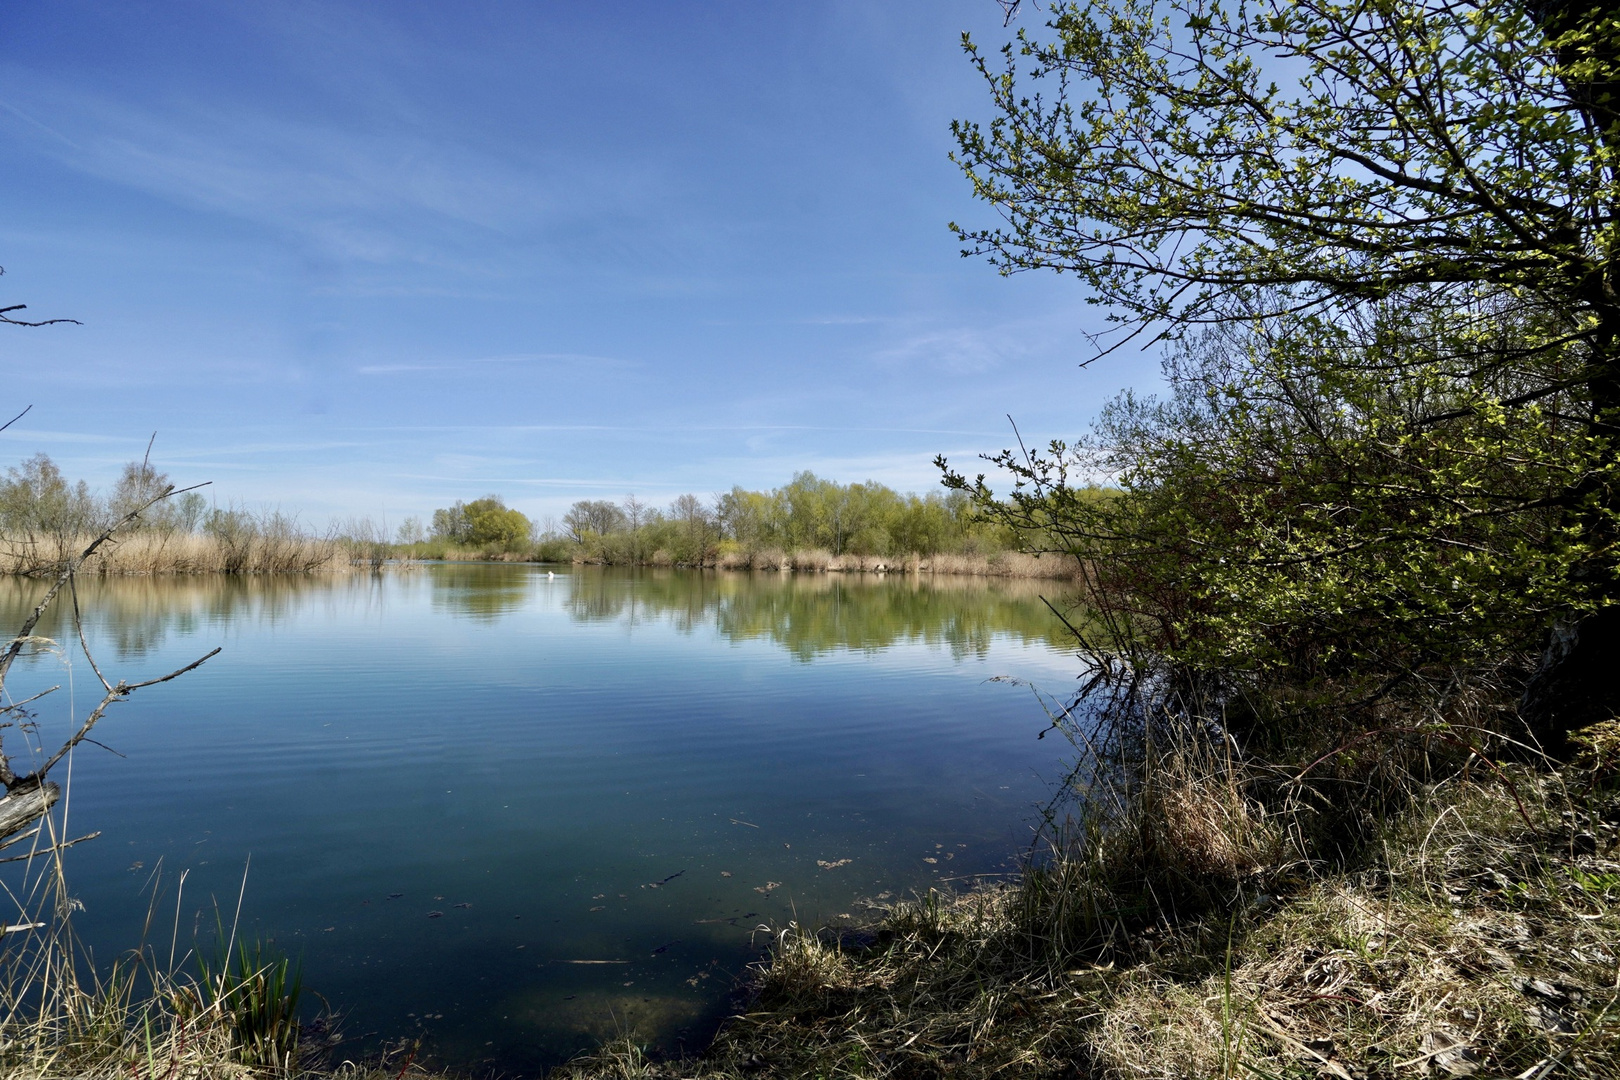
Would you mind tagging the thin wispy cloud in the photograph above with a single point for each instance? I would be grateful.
(400, 255)
(400, 369)
(343, 189)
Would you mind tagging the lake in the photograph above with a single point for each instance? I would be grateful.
(519, 811)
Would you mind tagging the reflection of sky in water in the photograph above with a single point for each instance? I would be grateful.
(596, 766)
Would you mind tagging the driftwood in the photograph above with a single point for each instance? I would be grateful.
(21, 808)
(28, 797)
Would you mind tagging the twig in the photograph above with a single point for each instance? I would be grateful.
(5, 317)
(78, 624)
(114, 693)
(19, 704)
(16, 418)
(10, 840)
(52, 850)
(72, 568)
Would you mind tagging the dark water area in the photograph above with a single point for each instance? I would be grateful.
(518, 812)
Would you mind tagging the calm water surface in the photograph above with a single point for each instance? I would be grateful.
(449, 785)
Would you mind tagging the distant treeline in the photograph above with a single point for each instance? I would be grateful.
(809, 521)
(806, 524)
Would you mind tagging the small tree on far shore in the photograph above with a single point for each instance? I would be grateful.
(486, 522)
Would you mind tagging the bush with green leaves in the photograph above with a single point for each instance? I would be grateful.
(485, 523)
(1382, 241)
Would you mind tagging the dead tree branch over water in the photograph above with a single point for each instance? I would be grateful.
(29, 796)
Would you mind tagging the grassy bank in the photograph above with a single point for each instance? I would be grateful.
(1477, 934)
(1007, 564)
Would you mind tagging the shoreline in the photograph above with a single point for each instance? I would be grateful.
(1478, 937)
(190, 556)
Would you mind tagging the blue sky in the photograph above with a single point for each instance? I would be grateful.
(366, 259)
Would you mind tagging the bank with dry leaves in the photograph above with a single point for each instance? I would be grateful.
(1476, 935)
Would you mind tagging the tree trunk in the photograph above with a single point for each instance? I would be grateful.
(21, 808)
(1578, 680)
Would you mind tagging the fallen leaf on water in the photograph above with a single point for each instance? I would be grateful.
(930, 859)
(725, 873)
(765, 889)
(599, 907)
(464, 904)
(435, 914)
(825, 865)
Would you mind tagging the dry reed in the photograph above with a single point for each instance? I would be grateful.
(1010, 564)
(158, 552)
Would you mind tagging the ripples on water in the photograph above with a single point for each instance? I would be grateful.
(457, 783)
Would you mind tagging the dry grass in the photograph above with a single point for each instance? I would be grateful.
(1473, 946)
(1479, 936)
(1009, 564)
(158, 552)
(139, 1020)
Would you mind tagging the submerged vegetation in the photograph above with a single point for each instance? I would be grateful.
(1470, 939)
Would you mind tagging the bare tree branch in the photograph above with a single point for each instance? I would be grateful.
(52, 850)
(115, 693)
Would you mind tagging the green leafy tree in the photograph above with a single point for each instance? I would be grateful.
(38, 506)
(486, 523)
(491, 523)
(1409, 243)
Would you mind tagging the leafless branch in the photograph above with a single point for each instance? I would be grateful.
(5, 317)
(31, 796)
(53, 850)
(78, 624)
(115, 693)
(14, 706)
(16, 418)
(72, 568)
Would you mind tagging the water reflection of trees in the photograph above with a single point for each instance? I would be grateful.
(135, 614)
(484, 593)
(806, 614)
(812, 614)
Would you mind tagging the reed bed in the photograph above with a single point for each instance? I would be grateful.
(155, 552)
(1008, 564)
